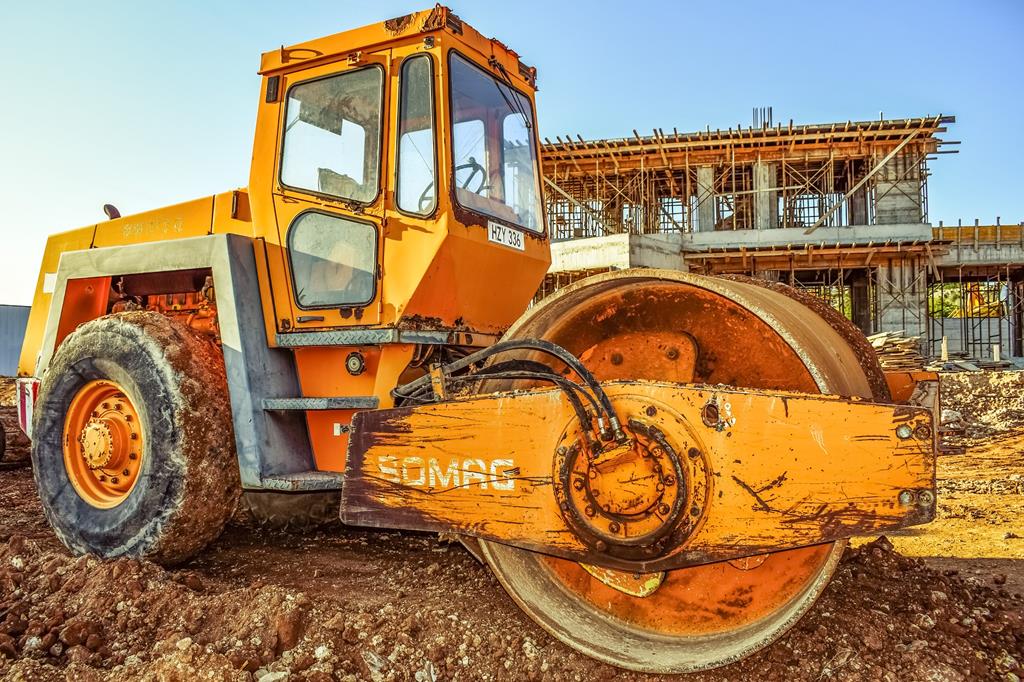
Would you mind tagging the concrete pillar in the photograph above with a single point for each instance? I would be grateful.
(705, 199)
(766, 202)
(902, 297)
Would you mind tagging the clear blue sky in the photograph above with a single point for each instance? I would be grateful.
(144, 104)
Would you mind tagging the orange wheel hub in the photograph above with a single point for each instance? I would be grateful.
(103, 444)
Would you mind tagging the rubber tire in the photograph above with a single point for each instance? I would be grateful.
(295, 511)
(188, 485)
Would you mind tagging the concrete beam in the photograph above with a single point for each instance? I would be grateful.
(786, 236)
(984, 254)
(766, 200)
(618, 251)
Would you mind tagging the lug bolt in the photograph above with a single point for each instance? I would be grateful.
(616, 358)
(613, 527)
(577, 484)
(132, 455)
(672, 354)
(695, 510)
(596, 493)
(694, 453)
(118, 406)
(589, 511)
(128, 418)
(670, 480)
(663, 509)
(651, 410)
(125, 472)
(134, 436)
(102, 477)
(113, 479)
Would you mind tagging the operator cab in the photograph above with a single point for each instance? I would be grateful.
(407, 147)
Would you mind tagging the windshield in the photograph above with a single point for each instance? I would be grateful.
(332, 135)
(494, 150)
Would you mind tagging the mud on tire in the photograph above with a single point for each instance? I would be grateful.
(188, 482)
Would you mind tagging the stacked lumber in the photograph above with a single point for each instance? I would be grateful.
(995, 364)
(897, 352)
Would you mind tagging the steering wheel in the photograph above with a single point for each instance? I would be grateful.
(427, 196)
(476, 168)
(426, 199)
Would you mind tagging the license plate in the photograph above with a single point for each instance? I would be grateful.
(506, 236)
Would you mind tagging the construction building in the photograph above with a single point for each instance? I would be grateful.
(840, 209)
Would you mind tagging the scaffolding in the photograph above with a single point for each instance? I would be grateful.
(978, 313)
(964, 283)
(976, 293)
(764, 177)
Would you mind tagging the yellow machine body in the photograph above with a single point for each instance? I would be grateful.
(662, 469)
(436, 272)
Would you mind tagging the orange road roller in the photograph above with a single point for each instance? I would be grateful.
(662, 469)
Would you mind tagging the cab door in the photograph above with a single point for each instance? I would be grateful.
(329, 193)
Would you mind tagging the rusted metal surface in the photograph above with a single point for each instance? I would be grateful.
(903, 385)
(627, 582)
(711, 614)
(742, 335)
(777, 471)
(854, 338)
(699, 617)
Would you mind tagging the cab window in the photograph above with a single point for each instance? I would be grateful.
(494, 147)
(417, 184)
(333, 259)
(332, 135)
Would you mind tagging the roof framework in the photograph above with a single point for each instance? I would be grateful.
(853, 173)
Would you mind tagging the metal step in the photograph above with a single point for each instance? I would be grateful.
(358, 402)
(304, 481)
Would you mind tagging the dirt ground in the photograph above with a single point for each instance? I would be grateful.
(346, 604)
